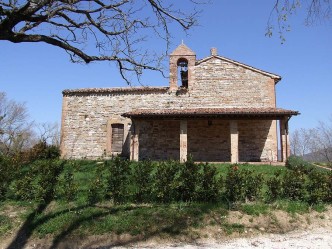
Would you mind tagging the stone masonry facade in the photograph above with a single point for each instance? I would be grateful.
(156, 123)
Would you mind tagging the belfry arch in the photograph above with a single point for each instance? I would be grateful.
(182, 64)
(182, 72)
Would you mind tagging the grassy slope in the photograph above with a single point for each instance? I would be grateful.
(60, 219)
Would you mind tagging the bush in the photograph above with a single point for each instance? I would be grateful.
(209, 185)
(164, 185)
(38, 180)
(98, 187)
(242, 185)
(253, 185)
(294, 185)
(119, 171)
(8, 171)
(187, 181)
(42, 150)
(234, 184)
(298, 164)
(318, 187)
(67, 187)
(329, 193)
(142, 179)
(274, 186)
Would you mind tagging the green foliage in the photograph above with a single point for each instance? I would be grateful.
(160, 182)
(242, 184)
(38, 180)
(164, 185)
(298, 164)
(8, 171)
(188, 180)
(294, 185)
(255, 209)
(318, 186)
(329, 195)
(67, 187)
(209, 185)
(234, 184)
(41, 151)
(118, 180)
(142, 180)
(274, 186)
(253, 185)
(98, 185)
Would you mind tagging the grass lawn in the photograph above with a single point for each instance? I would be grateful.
(60, 218)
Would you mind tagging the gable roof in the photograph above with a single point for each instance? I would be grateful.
(273, 76)
(182, 49)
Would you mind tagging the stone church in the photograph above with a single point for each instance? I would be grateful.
(215, 109)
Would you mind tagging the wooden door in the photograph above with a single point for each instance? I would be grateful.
(117, 137)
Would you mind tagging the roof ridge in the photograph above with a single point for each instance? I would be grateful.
(272, 75)
(115, 89)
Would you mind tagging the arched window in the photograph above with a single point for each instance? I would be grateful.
(183, 72)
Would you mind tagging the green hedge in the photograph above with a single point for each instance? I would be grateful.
(122, 181)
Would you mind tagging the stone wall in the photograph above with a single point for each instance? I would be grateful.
(87, 114)
(221, 83)
(209, 140)
(159, 140)
(257, 140)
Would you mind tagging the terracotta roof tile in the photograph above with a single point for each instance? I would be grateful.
(115, 90)
(211, 112)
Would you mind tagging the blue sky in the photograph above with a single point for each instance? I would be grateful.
(37, 73)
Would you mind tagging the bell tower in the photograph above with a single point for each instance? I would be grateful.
(181, 65)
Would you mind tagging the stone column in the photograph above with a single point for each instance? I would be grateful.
(134, 142)
(183, 141)
(284, 139)
(234, 141)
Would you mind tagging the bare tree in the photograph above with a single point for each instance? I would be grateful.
(314, 144)
(15, 129)
(322, 141)
(300, 141)
(316, 11)
(49, 133)
(98, 30)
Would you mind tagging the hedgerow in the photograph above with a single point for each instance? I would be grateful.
(122, 181)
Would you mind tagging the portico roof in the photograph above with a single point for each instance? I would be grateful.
(223, 113)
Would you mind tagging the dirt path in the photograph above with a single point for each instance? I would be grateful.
(319, 238)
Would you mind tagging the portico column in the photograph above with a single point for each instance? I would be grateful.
(134, 144)
(183, 141)
(284, 139)
(234, 141)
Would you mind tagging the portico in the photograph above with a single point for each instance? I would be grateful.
(224, 135)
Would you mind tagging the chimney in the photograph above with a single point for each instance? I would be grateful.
(214, 51)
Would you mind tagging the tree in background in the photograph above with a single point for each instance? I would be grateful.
(321, 144)
(20, 135)
(15, 128)
(98, 30)
(300, 144)
(313, 144)
(316, 11)
(50, 133)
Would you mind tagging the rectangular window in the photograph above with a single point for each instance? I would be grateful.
(117, 137)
